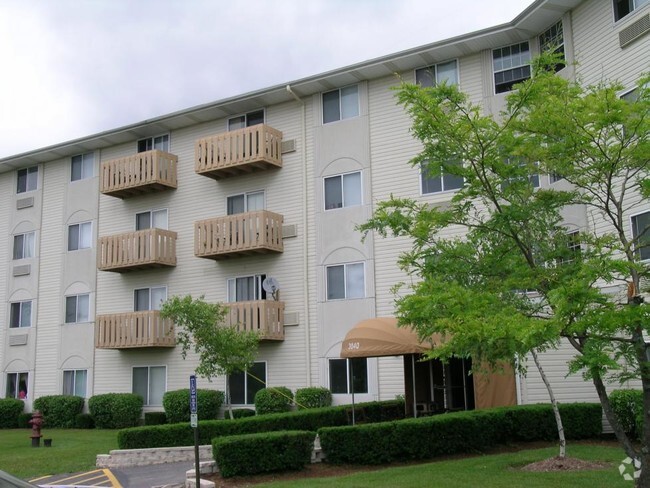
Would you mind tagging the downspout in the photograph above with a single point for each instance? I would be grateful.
(305, 259)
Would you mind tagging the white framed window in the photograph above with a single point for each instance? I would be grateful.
(342, 190)
(555, 177)
(151, 219)
(246, 288)
(20, 314)
(339, 104)
(24, 245)
(626, 7)
(82, 166)
(27, 179)
(77, 308)
(510, 65)
(17, 385)
(247, 120)
(245, 202)
(346, 281)
(344, 374)
(80, 236)
(437, 73)
(75, 382)
(245, 384)
(533, 178)
(441, 183)
(150, 382)
(149, 298)
(150, 143)
(641, 234)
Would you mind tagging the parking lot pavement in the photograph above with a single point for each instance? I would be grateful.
(96, 477)
(168, 475)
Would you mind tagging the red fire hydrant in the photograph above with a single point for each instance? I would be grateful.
(36, 421)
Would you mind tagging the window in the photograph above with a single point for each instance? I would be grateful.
(341, 375)
(150, 382)
(343, 190)
(247, 120)
(641, 234)
(246, 288)
(625, 7)
(510, 66)
(436, 184)
(76, 308)
(74, 382)
(149, 298)
(437, 74)
(80, 236)
(346, 281)
(246, 202)
(552, 40)
(159, 142)
(27, 179)
(156, 219)
(520, 164)
(21, 314)
(24, 246)
(555, 177)
(81, 166)
(244, 385)
(17, 385)
(341, 104)
(631, 95)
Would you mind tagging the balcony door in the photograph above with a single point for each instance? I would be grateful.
(245, 202)
(246, 289)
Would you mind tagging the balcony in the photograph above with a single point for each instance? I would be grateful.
(239, 152)
(133, 329)
(265, 317)
(142, 249)
(140, 173)
(258, 232)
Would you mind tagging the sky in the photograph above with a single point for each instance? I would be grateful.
(72, 68)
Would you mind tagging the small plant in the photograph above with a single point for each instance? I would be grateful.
(177, 404)
(313, 397)
(276, 399)
(10, 410)
(116, 410)
(59, 411)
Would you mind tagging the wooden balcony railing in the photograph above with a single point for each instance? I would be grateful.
(263, 316)
(257, 232)
(150, 248)
(238, 152)
(143, 172)
(133, 329)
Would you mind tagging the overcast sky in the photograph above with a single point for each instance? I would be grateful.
(71, 68)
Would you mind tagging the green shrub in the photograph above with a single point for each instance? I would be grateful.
(275, 399)
(261, 453)
(10, 410)
(241, 413)
(460, 432)
(155, 418)
(627, 405)
(84, 421)
(115, 410)
(23, 420)
(309, 420)
(177, 404)
(313, 397)
(59, 411)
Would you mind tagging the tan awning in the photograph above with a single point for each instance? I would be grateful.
(381, 337)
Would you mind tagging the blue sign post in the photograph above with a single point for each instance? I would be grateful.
(192, 394)
(194, 423)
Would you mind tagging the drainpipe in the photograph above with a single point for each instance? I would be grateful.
(305, 259)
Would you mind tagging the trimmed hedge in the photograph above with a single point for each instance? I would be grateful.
(155, 418)
(59, 411)
(240, 413)
(306, 420)
(459, 432)
(116, 410)
(627, 405)
(275, 399)
(313, 397)
(10, 410)
(262, 453)
(177, 404)
(84, 421)
(23, 420)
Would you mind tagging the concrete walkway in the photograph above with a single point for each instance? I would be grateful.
(168, 475)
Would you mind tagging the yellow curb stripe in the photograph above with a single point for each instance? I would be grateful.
(77, 476)
(41, 478)
(84, 481)
(112, 478)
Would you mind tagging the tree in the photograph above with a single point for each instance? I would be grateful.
(222, 349)
(497, 272)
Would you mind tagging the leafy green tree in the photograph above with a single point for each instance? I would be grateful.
(222, 349)
(496, 271)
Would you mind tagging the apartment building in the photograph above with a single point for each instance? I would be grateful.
(217, 199)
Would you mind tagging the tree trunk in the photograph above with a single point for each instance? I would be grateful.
(644, 452)
(556, 410)
(228, 397)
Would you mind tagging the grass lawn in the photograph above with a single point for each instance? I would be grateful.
(72, 450)
(493, 471)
